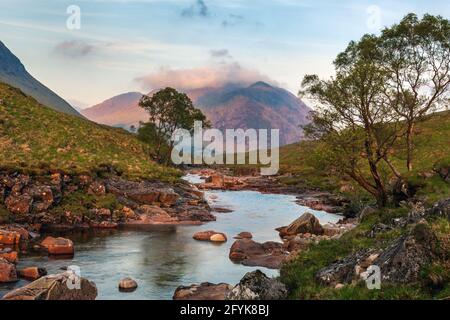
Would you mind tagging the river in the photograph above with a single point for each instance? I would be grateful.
(162, 258)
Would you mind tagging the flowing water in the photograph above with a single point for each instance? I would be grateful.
(162, 258)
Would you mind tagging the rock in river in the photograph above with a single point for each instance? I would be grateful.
(8, 271)
(210, 235)
(307, 223)
(58, 246)
(127, 285)
(250, 253)
(64, 286)
(203, 291)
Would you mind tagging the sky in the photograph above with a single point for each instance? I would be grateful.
(90, 50)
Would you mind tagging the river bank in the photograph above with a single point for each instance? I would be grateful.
(161, 257)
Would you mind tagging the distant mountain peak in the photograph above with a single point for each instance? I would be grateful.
(261, 84)
(14, 73)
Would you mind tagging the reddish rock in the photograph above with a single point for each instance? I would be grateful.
(42, 197)
(203, 291)
(307, 223)
(97, 188)
(55, 287)
(58, 246)
(250, 253)
(244, 235)
(32, 273)
(20, 204)
(210, 235)
(9, 255)
(8, 271)
(8, 237)
(216, 180)
(104, 225)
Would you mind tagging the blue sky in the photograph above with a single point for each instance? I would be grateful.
(137, 45)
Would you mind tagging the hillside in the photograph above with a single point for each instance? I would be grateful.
(258, 106)
(35, 138)
(13, 72)
(301, 162)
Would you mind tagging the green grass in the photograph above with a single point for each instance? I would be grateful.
(299, 273)
(37, 139)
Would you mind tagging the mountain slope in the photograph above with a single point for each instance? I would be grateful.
(13, 72)
(259, 106)
(34, 138)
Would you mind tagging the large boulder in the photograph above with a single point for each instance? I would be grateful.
(9, 255)
(8, 237)
(257, 286)
(58, 246)
(203, 291)
(20, 204)
(250, 253)
(307, 223)
(8, 272)
(65, 286)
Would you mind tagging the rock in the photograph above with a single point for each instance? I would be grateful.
(8, 237)
(215, 180)
(42, 197)
(250, 253)
(9, 255)
(127, 285)
(58, 246)
(218, 237)
(56, 287)
(97, 188)
(8, 271)
(20, 204)
(257, 286)
(203, 291)
(152, 215)
(204, 235)
(440, 209)
(210, 235)
(32, 273)
(244, 235)
(221, 210)
(307, 223)
(104, 225)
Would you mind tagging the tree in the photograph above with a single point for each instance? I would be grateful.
(416, 54)
(354, 118)
(169, 110)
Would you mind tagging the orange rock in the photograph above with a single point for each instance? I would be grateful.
(11, 256)
(204, 235)
(58, 246)
(9, 237)
(218, 237)
(8, 271)
(32, 273)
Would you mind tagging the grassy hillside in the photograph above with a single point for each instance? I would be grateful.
(302, 161)
(34, 138)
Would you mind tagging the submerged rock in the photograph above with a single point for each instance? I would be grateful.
(203, 291)
(257, 286)
(244, 235)
(65, 286)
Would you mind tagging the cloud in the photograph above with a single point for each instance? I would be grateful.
(199, 8)
(74, 49)
(221, 53)
(203, 77)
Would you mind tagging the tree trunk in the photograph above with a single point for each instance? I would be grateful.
(409, 146)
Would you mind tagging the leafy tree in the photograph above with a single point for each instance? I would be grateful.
(354, 118)
(416, 54)
(169, 110)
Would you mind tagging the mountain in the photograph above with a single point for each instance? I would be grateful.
(119, 111)
(13, 72)
(258, 106)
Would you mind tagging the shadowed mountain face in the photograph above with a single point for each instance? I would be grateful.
(13, 72)
(259, 106)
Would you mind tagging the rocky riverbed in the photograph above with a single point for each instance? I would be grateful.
(151, 228)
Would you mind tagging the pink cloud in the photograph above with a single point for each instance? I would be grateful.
(203, 77)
